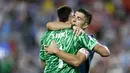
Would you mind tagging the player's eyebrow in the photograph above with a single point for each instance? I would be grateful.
(80, 17)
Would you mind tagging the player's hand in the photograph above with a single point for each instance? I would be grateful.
(78, 30)
(52, 48)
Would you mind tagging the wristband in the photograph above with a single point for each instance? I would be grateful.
(85, 52)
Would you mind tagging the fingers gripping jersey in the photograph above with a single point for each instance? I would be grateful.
(67, 42)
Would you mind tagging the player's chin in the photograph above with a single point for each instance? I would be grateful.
(74, 23)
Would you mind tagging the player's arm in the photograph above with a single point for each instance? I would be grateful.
(43, 63)
(91, 43)
(42, 54)
(74, 60)
(57, 25)
(61, 25)
(102, 50)
(42, 58)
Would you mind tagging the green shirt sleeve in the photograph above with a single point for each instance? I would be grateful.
(87, 41)
(42, 52)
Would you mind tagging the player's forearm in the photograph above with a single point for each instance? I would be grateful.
(69, 58)
(102, 50)
(57, 25)
(43, 64)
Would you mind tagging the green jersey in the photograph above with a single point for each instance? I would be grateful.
(67, 42)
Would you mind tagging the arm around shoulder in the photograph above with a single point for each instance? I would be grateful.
(102, 50)
(50, 25)
(74, 60)
(57, 25)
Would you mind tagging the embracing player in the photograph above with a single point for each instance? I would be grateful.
(69, 43)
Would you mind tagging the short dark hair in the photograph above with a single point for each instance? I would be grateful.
(63, 13)
(86, 13)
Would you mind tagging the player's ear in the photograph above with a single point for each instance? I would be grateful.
(85, 26)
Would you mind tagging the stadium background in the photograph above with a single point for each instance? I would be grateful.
(22, 23)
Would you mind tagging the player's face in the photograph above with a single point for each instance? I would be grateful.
(79, 19)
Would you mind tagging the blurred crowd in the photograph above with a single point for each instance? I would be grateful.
(23, 22)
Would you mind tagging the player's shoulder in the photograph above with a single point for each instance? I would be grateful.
(85, 35)
(68, 29)
(51, 32)
(45, 34)
(91, 36)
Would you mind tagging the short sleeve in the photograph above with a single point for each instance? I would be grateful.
(87, 41)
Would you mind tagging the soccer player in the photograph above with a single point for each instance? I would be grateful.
(80, 22)
(67, 42)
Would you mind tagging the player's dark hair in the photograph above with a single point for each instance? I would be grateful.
(63, 13)
(86, 13)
